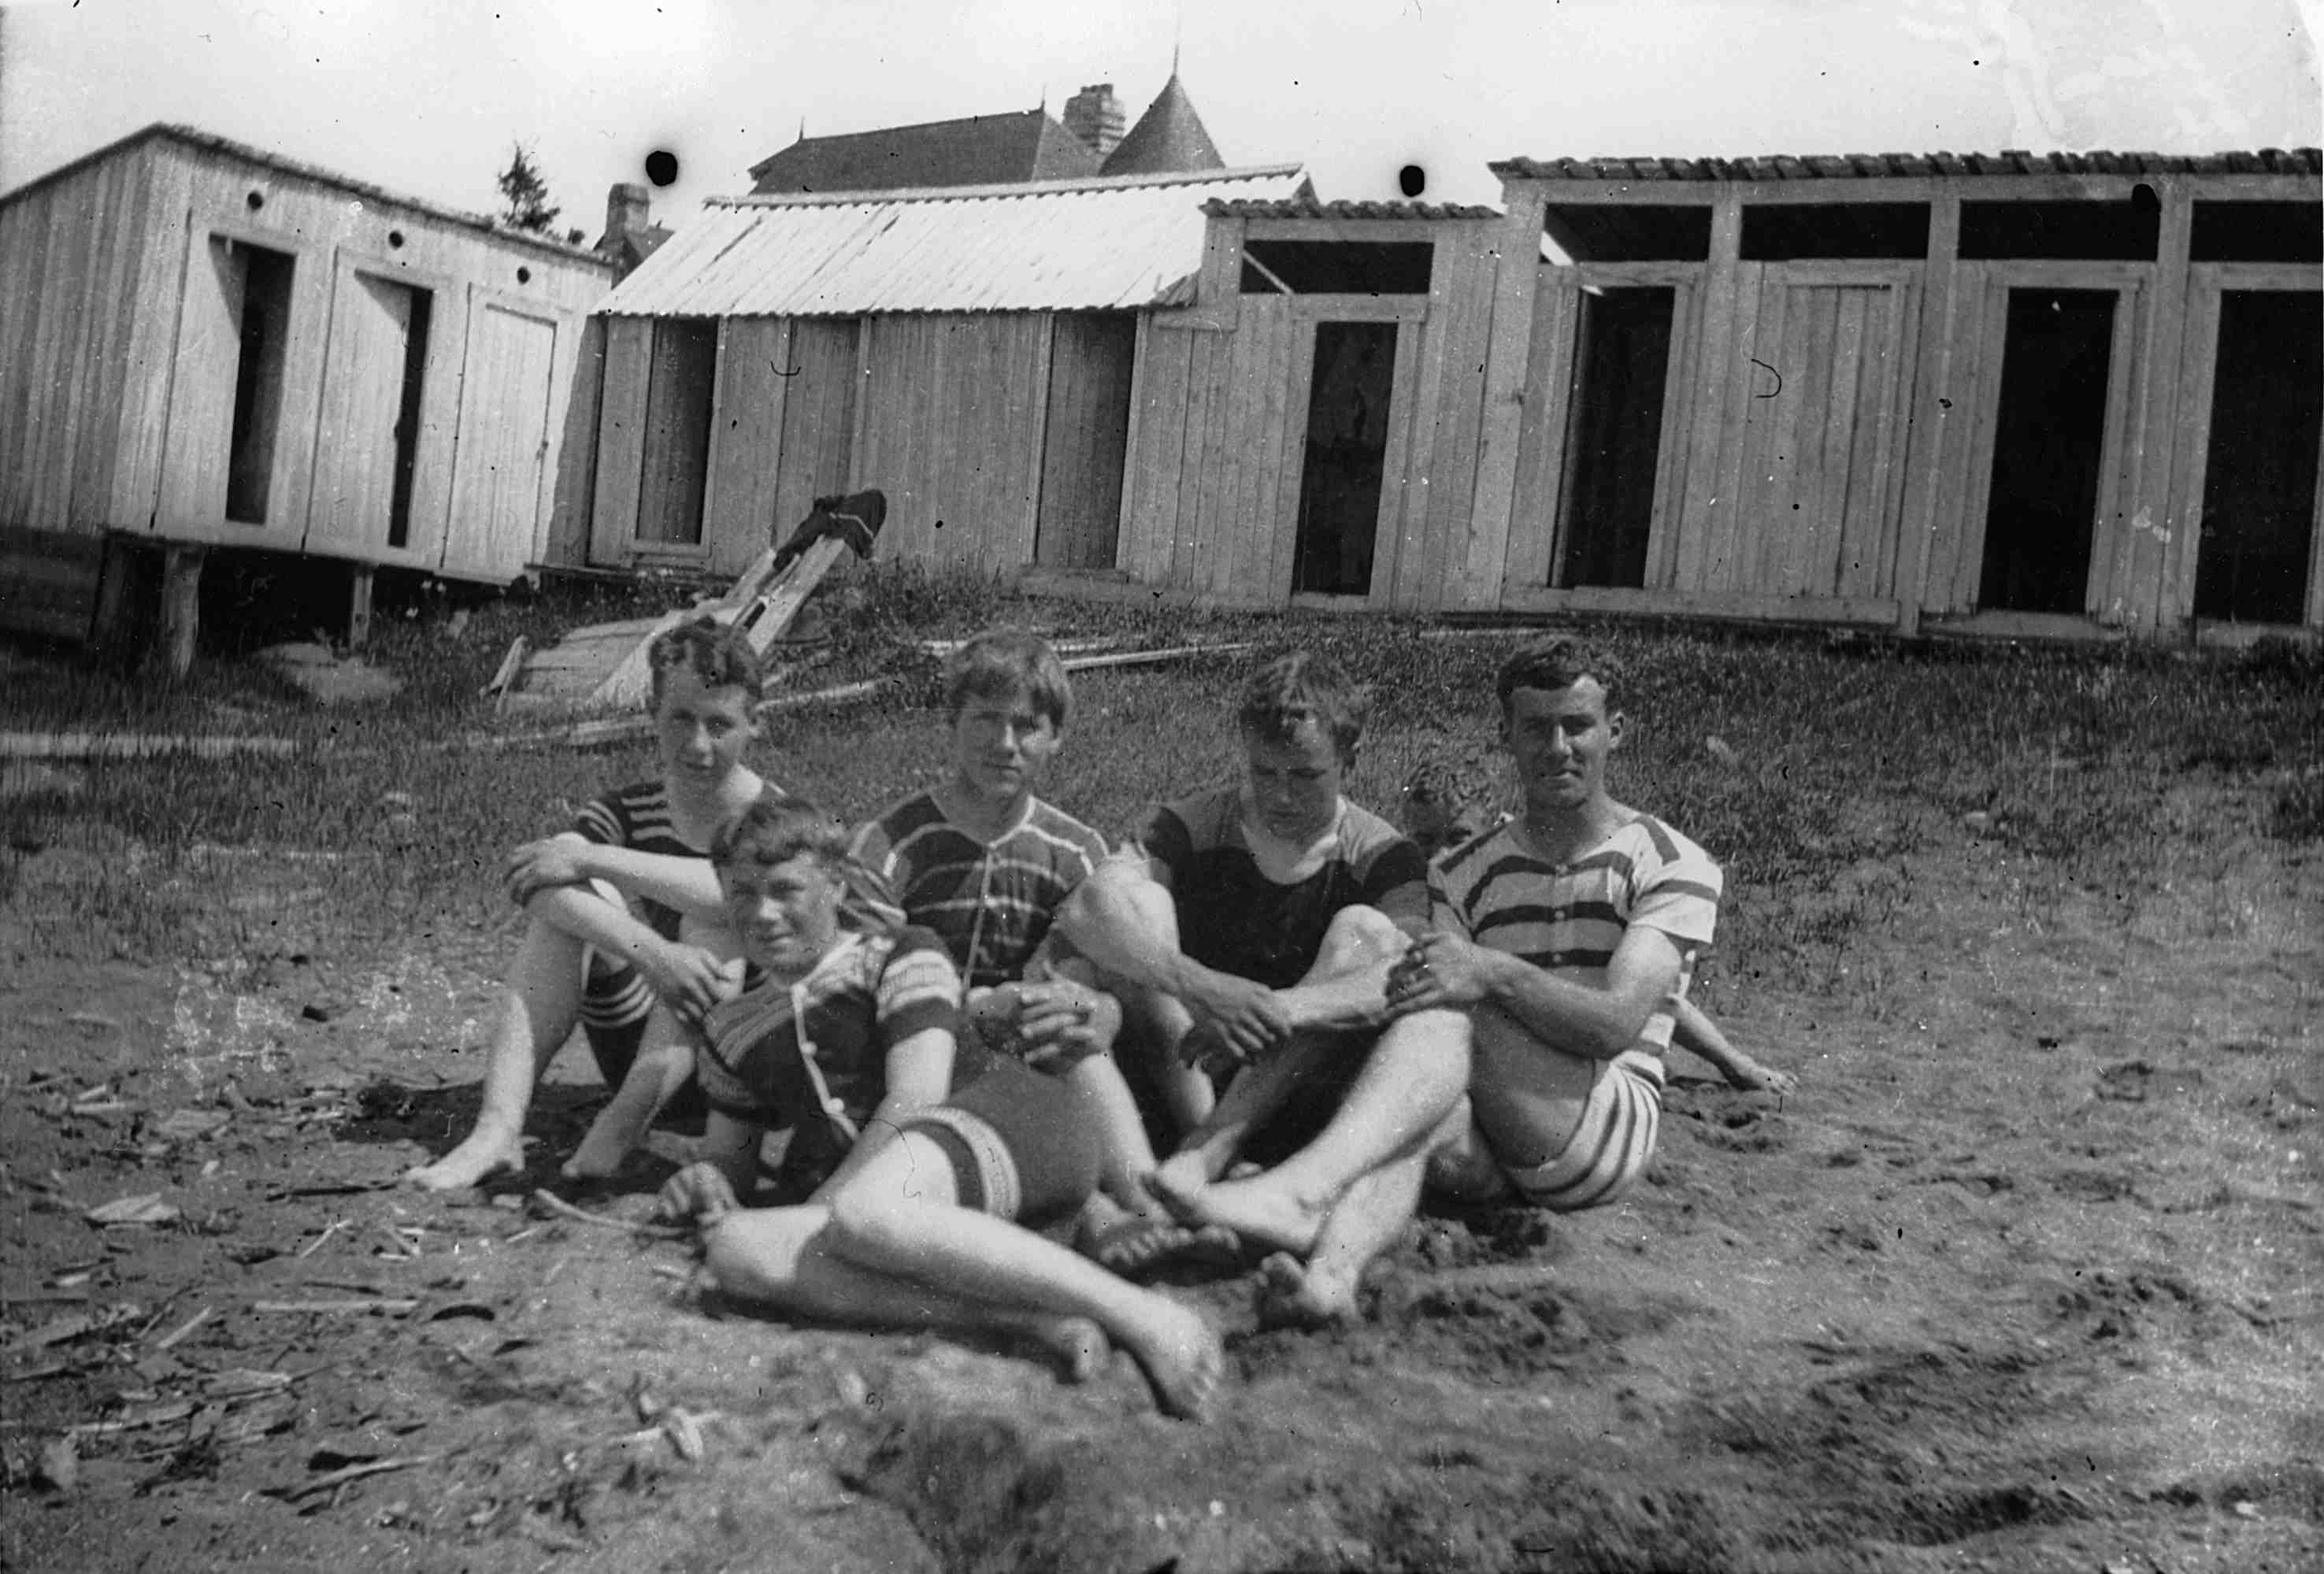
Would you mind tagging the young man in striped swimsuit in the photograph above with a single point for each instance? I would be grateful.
(930, 1203)
(1566, 936)
(605, 900)
(986, 864)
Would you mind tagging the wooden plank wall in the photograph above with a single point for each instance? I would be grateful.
(621, 439)
(1531, 533)
(952, 414)
(1091, 358)
(746, 440)
(73, 252)
(105, 425)
(573, 457)
(1816, 467)
(815, 455)
(1214, 475)
(1448, 419)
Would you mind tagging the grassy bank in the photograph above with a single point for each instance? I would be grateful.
(1814, 769)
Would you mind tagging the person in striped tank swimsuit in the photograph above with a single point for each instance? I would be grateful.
(605, 901)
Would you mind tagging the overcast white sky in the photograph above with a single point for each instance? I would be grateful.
(425, 96)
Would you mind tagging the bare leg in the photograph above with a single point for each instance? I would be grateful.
(1365, 1222)
(1412, 1079)
(892, 1250)
(890, 1219)
(539, 1008)
(1347, 987)
(665, 1059)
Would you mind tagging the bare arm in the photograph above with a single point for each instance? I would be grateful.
(1594, 1015)
(920, 1076)
(1696, 1032)
(1122, 918)
(689, 884)
(685, 977)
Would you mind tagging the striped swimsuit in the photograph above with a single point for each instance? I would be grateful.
(1497, 892)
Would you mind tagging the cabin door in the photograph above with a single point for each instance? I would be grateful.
(2055, 372)
(2247, 477)
(503, 442)
(372, 440)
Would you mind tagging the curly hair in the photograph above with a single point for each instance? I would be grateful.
(1301, 689)
(775, 830)
(715, 652)
(1003, 663)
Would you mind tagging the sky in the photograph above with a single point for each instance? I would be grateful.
(426, 97)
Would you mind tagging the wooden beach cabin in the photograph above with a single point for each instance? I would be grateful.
(975, 351)
(1306, 430)
(206, 345)
(2057, 395)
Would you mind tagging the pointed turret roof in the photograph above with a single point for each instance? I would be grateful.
(1169, 137)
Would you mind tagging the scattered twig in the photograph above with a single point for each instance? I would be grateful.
(178, 1335)
(564, 1209)
(335, 1308)
(333, 1479)
(133, 746)
(329, 1230)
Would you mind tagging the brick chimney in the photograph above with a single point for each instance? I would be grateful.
(628, 211)
(1095, 116)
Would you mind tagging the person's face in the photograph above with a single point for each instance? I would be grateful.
(1560, 739)
(1001, 744)
(1295, 783)
(786, 914)
(701, 731)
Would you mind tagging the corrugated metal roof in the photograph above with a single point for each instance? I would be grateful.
(1086, 245)
(1891, 166)
(1309, 208)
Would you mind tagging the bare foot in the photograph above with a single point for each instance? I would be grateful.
(1080, 1346)
(476, 1160)
(1182, 1356)
(1257, 1210)
(1292, 1296)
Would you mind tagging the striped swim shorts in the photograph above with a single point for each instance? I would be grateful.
(1609, 1150)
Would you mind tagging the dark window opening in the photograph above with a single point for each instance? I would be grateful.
(1337, 267)
(2094, 231)
(1341, 479)
(264, 329)
(1779, 232)
(2259, 482)
(407, 418)
(1624, 232)
(2258, 232)
(2049, 441)
(1606, 505)
(676, 458)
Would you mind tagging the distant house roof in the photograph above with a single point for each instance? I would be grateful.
(1891, 166)
(1072, 245)
(242, 152)
(982, 150)
(1169, 136)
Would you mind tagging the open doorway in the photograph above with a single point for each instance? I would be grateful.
(263, 329)
(407, 416)
(1621, 367)
(1340, 482)
(2049, 445)
(2259, 480)
(676, 465)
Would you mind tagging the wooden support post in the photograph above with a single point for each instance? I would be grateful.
(109, 623)
(359, 607)
(181, 607)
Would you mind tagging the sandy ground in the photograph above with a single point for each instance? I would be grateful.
(2025, 1275)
